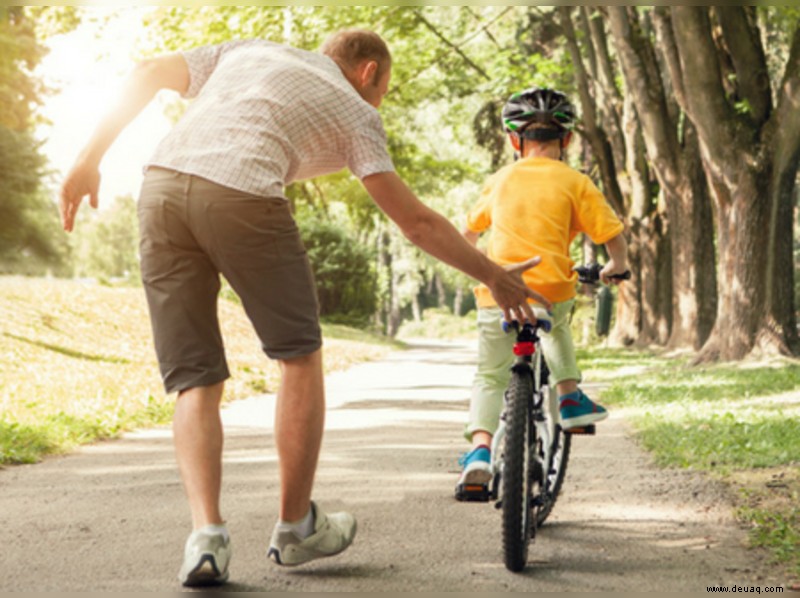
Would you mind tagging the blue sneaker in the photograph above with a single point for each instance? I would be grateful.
(578, 410)
(476, 476)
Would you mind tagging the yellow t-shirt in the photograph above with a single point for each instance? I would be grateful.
(536, 206)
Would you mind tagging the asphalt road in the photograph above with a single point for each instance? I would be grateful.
(112, 516)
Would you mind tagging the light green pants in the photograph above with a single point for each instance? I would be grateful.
(495, 358)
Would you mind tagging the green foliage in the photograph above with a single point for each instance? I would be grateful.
(31, 240)
(54, 20)
(343, 270)
(106, 242)
(20, 52)
(776, 530)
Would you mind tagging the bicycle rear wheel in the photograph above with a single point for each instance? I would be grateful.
(519, 472)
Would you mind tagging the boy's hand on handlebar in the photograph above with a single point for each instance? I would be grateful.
(512, 294)
(613, 273)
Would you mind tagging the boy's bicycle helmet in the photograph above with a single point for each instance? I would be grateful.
(550, 110)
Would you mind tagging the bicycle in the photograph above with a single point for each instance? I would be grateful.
(530, 450)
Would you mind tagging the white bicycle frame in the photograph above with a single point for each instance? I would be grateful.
(545, 429)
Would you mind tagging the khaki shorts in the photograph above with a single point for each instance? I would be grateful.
(193, 230)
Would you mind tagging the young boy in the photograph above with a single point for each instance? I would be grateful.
(535, 207)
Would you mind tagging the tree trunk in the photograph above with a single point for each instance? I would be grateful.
(441, 293)
(631, 305)
(749, 158)
(458, 301)
(681, 184)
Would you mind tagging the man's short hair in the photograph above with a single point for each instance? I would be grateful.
(350, 47)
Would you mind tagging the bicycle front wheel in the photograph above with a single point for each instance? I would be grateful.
(519, 472)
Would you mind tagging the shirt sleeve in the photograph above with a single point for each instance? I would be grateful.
(479, 218)
(202, 61)
(594, 215)
(367, 153)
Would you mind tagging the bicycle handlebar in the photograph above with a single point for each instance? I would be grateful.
(590, 274)
(541, 323)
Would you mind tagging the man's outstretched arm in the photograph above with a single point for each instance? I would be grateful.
(147, 78)
(434, 234)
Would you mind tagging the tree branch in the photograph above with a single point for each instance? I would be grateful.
(589, 111)
(666, 37)
(608, 95)
(643, 81)
(705, 95)
(590, 52)
(744, 46)
(595, 133)
(463, 42)
(447, 42)
(786, 118)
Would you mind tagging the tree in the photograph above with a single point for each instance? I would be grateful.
(673, 148)
(107, 244)
(749, 132)
(30, 239)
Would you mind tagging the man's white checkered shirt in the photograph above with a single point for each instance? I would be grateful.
(266, 115)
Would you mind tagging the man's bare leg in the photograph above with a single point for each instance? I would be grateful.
(198, 436)
(299, 423)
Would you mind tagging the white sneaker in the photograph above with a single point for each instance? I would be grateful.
(332, 534)
(205, 559)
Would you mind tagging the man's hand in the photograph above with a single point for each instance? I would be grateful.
(81, 181)
(511, 293)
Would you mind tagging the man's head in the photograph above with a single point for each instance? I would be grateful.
(364, 59)
(543, 116)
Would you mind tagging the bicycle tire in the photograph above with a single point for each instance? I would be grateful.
(556, 471)
(518, 472)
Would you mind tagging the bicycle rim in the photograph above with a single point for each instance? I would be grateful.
(517, 478)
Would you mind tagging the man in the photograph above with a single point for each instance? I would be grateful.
(212, 202)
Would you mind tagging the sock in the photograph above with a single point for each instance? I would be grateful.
(218, 528)
(302, 529)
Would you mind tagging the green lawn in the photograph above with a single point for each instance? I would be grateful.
(78, 364)
(738, 422)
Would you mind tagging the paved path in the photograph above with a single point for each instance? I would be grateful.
(112, 516)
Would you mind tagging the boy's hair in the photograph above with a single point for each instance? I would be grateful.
(350, 47)
(542, 134)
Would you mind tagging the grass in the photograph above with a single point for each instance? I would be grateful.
(740, 423)
(78, 364)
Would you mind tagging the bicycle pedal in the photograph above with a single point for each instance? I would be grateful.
(473, 493)
(582, 431)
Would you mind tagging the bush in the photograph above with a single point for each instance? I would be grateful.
(343, 270)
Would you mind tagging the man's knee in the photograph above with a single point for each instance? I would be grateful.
(310, 360)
